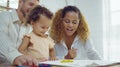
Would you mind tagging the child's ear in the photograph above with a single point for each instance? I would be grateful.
(31, 22)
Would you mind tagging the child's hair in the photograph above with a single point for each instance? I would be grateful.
(35, 13)
(56, 31)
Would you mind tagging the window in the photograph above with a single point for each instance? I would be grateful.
(8, 4)
(112, 29)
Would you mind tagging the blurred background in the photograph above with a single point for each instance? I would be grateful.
(103, 17)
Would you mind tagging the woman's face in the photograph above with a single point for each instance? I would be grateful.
(70, 23)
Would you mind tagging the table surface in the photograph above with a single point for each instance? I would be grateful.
(84, 63)
(78, 63)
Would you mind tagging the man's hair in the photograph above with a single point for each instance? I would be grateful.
(25, 0)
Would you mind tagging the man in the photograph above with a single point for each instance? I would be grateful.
(12, 29)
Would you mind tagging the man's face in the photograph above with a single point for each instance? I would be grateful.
(27, 5)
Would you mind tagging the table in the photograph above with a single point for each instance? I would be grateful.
(78, 63)
(85, 63)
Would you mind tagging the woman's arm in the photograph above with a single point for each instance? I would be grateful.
(24, 45)
(91, 52)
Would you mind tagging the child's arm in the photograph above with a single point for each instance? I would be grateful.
(52, 54)
(24, 45)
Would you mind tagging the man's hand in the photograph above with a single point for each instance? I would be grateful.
(26, 60)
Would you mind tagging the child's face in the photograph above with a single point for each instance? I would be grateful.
(70, 23)
(41, 26)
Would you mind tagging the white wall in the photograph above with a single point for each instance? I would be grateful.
(92, 10)
(53, 5)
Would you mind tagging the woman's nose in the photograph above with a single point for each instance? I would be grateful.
(70, 24)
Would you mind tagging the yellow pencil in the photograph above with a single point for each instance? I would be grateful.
(66, 61)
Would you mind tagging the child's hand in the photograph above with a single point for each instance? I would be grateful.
(42, 59)
(53, 58)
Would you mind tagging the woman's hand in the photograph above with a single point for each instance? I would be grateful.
(71, 54)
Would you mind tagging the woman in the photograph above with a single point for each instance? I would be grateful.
(71, 34)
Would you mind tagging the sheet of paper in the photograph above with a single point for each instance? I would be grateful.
(58, 62)
(79, 63)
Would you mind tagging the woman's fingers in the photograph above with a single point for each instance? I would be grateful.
(73, 53)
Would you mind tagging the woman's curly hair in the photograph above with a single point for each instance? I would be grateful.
(56, 31)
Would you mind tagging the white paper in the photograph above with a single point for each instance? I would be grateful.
(79, 63)
(58, 62)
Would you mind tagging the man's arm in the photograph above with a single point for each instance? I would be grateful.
(6, 45)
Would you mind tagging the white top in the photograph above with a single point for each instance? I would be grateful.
(84, 51)
(11, 34)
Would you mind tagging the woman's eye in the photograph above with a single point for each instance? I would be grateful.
(67, 21)
(74, 22)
